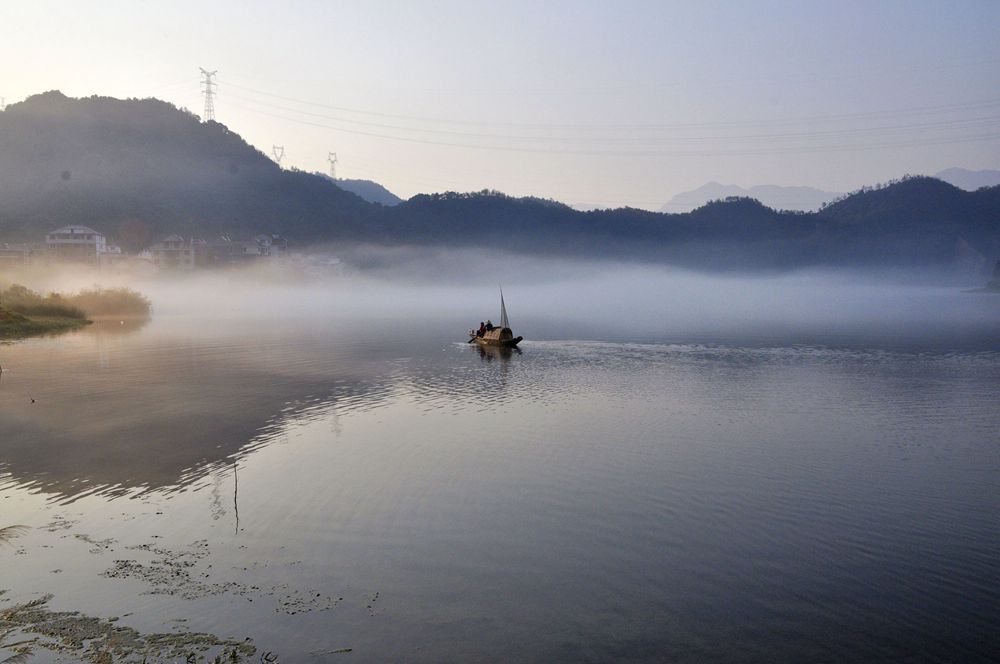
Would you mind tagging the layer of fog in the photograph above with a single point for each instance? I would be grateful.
(558, 299)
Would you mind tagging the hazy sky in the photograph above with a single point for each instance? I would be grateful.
(606, 103)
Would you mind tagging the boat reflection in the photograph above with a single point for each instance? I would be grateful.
(490, 353)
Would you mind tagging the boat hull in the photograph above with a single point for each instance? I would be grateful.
(498, 336)
(501, 343)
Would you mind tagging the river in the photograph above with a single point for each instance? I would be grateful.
(354, 490)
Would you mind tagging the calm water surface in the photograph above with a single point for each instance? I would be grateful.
(332, 485)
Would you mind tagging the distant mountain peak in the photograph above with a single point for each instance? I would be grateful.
(773, 196)
(963, 178)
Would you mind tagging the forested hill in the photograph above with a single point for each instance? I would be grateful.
(137, 170)
(918, 222)
(916, 219)
(150, 168)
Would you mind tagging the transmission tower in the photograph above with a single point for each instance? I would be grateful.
(279, 153)
(332, 158)
(3, 103)
(207, 89)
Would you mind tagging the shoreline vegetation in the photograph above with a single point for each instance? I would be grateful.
(26, 313)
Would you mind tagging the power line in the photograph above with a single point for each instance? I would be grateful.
(899, 128)
(844, 132)
(643, 153)
(836, 117)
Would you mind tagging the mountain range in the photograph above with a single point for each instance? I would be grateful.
(808, 199)
(137, 170)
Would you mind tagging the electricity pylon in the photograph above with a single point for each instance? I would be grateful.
(207, 89)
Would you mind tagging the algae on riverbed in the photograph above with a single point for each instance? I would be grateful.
(32, 626)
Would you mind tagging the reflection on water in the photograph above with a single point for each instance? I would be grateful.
(103, 411)
(490, 353)
(325, 485)
(114, 325)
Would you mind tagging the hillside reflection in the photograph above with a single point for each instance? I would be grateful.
(111, 410)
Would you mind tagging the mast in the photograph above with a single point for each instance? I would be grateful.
(503, 312)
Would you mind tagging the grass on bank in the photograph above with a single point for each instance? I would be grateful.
(122, 302)
(14, 325)
(24, 312)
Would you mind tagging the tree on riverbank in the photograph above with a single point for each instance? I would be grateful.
(21, 300)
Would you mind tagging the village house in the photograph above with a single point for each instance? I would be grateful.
(226, 251)
(77, 244)
(270, 246)
(176, 253)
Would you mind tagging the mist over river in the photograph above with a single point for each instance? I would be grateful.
(673, 467)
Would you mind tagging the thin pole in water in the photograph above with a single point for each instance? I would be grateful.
(236, 491)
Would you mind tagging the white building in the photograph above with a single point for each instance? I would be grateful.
(80, 244)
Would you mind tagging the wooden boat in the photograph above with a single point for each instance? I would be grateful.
(501, 335)
(498, 336)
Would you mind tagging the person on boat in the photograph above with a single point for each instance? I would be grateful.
(489, 325)
(482, 329)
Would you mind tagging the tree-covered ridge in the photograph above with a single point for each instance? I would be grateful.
(138, 170)
(154, 168)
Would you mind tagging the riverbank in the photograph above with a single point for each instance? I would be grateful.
(16, 326)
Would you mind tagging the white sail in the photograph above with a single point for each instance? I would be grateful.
(503, 312)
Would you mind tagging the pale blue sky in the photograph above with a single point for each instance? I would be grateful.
(587, 102)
